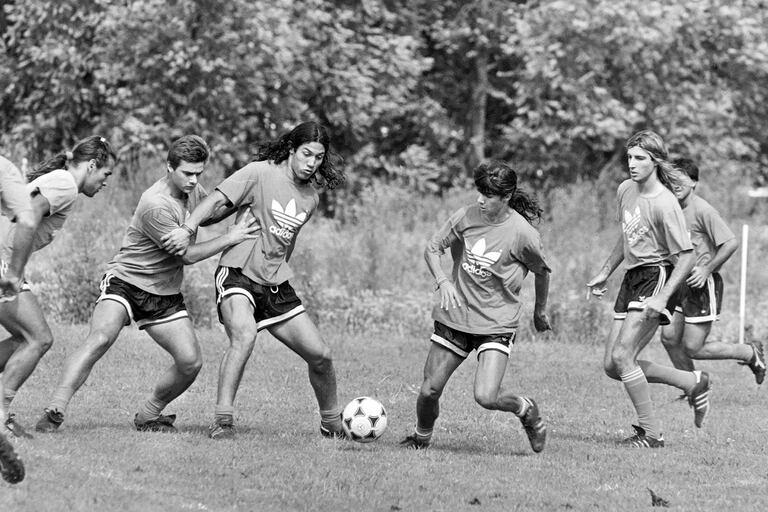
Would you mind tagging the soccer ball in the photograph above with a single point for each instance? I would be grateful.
(364, 419)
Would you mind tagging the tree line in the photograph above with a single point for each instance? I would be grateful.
(415, 92)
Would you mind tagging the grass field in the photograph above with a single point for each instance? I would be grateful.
(480, 460)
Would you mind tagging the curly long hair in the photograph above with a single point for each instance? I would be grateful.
(328, 175)
(91, 148)
(496, 178)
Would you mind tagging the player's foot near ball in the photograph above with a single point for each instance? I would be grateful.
(162, 423)
(699, 398)
(221, 430)
(642, 440)
(757, 363)
(14, 428)
(534, 426)
(415, 442)
(50, 422)
(332, 434)
(11, 467)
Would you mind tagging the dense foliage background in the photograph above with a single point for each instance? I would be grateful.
(415, 94)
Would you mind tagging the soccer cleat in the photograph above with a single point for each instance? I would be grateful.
(534, 426)
(412, 442)
(699, 398)
(221, 430)
(11, 467)
(15, 428)
(50, 422)
(641, 440)
(338, 434)
(757, 363)
(162, 423)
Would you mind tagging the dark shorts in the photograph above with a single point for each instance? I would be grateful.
(462, 343)
(144, 308)
(639, 284)
(701, 305)
(271, 304)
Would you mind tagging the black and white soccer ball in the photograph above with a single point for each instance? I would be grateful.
(364, 419)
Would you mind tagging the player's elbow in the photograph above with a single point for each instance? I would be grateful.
(26, 219)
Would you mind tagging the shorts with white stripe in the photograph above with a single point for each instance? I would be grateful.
(702, 305)
(144, 308)
(640, 284)
(271, 304)
(462, 343)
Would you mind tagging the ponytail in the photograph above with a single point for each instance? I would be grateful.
(91, 148)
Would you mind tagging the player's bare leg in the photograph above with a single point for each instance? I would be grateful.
(108, 319)
(179, 340)
(302, 336)
(672, 339)
(237, 314)
(490, 394)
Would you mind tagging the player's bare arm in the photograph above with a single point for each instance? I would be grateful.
(178, 240)
(596, 285)
(245, 229)
(449, 296)
(10, 283)
(541, 288)
(699, 275)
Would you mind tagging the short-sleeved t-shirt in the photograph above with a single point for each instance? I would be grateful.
(653, 227)
(280, 206)
(490, 262)
(708, 230)
(14, 196)
(141, 260)
(60, 190)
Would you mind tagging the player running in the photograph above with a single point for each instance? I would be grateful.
(654, 235)
(143, 284)
(16, 205)
(493, 246)
(53, 189)
(702, 293)
(252, 281)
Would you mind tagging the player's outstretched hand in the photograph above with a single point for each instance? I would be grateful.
(177, 241)
(244, 229)
(449, 297)
(597, 286)
(541, 321)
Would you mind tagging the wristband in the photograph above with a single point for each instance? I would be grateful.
(188, 229)
(441, 280)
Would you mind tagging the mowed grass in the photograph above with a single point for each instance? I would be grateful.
(480, 460)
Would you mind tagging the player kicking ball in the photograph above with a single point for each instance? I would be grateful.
(702, 293)
(143, 284)
(493, 246)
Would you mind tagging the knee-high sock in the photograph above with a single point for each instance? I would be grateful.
(640, 393)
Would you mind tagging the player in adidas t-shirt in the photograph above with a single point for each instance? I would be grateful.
(493, 246)
(252, 282)
(658, 254)
(702, 293)
(143, 284)
(53, 188)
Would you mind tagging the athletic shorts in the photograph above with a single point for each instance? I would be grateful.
(462, 343)
(701, 305)
(272, 304)
(641, 283)
(144, 308)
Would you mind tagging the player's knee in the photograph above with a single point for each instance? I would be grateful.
(42, 343)
(322, 361)
(691, 350)
(610, 370)
(98, 343)
(486, 398)
(430, 391)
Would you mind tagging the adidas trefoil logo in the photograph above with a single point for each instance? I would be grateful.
(287, 218)
(478, 260)
(632, 226)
